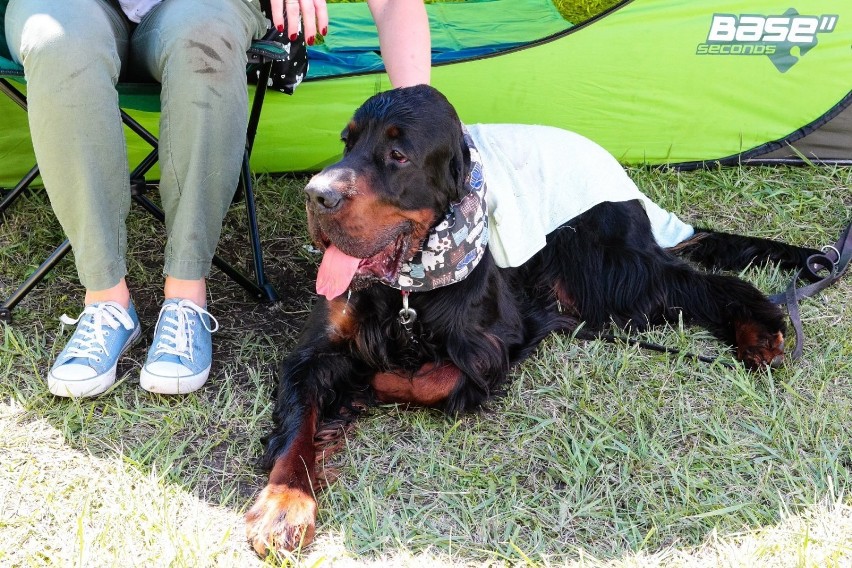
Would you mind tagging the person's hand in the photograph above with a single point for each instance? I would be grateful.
(313, 13)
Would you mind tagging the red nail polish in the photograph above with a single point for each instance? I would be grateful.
(324, 31)
(293, 37)
(280, 28)
(311, 40)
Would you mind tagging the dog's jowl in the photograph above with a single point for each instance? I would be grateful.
(451, 252)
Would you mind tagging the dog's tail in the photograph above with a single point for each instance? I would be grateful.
(727, 251)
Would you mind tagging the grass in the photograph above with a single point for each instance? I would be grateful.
(578, 12)
(599, 454)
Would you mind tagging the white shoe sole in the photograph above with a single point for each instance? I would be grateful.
(88, 387)
(82, 388)
(160, 384)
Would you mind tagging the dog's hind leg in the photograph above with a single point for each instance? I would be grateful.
(730, 308)
(607, 266)
(727, 251)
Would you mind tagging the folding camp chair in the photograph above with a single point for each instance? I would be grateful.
(261, 57)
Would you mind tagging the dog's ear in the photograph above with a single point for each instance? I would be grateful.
(459, 158)
(449, 163)
(459, 165)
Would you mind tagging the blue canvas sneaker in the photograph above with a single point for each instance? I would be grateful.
(86, 367)
(182, 350)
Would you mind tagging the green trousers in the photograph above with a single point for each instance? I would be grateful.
(73, 53)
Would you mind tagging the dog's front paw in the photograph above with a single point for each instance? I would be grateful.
(758, 347)
(282, 518)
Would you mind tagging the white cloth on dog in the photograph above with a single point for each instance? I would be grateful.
(539, 177)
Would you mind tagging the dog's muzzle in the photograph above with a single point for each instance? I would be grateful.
(323, 197)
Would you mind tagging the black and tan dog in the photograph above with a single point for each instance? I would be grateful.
(387, 334)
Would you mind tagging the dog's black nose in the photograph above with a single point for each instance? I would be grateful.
(324, 197)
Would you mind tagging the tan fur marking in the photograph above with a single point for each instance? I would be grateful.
(342, 323)
(430, 386)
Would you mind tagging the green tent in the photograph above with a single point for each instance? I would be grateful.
(653, 81)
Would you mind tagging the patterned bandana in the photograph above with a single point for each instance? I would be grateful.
(454, 246)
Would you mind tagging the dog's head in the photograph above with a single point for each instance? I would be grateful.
(404, 164)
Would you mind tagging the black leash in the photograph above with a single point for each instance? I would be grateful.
(822, 270)
(655, 347)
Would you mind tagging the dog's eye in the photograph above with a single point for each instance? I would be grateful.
(398, 157)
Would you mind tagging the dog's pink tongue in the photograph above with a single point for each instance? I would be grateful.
(335, 272)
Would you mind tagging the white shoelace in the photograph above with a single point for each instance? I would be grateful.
(89, 341)
(175, 333)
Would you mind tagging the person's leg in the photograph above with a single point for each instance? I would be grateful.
(72, 53)
(197, 50)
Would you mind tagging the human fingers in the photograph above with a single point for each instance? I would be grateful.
(292, 11)
(309, 21)
(322, 16)
(277, 9)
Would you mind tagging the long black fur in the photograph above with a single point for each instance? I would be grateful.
(601, 267)
(606, 259)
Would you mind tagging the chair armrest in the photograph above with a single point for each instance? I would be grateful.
(267, 49)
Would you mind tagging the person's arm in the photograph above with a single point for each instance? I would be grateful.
(404, 40)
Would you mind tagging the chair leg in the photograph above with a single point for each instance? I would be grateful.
(21, 186)
(58, 254)
(33, 280)
(15, 94)
(268, 292)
